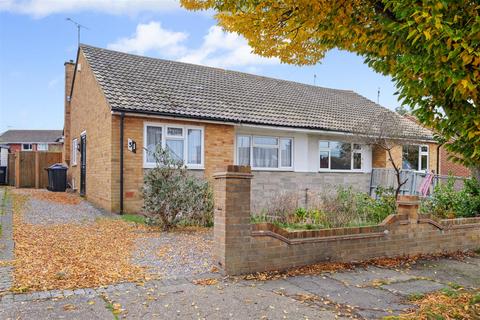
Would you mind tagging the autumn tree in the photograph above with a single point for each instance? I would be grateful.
(430, 48)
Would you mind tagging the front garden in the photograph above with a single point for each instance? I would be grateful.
(345, 207)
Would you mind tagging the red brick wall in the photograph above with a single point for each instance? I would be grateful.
(449, 167)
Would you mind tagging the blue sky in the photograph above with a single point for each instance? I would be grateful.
(36, 39)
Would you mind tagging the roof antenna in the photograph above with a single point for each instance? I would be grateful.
(79, 26)
(314, 79)
(378, 96)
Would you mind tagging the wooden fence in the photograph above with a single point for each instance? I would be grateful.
(26, 169)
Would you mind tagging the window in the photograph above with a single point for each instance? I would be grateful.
(263, 152)
(42, 147)
(334, 155)
(27, 147)
(183, 142)
(415, 157)
(74, 152)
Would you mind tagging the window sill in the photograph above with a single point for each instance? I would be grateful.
(151, 166)
(273, 169)
(342, 171)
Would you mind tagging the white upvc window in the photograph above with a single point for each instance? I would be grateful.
(73, 157)
(42, 147)
(415, 157)
(265, 152)
(340, 156)
(27, 147)
(185, 143)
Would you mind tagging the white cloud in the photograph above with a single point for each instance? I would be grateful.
(42, 8)
(223, 49)
(152, 37)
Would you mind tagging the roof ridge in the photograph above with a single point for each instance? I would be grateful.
(214, 68)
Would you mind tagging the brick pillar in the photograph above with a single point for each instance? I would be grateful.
(232, 229)
(408, 206)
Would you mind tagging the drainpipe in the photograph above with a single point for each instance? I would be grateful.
(438, 158)
(122, 118)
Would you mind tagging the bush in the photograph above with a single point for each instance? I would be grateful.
(448, 203)
(172, 196)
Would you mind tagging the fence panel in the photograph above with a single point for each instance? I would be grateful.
(30, 167)
(45, 160)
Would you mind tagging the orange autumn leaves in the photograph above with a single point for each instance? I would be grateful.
(72, 255)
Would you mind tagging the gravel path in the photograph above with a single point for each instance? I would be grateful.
(47, 212)
(178, 253)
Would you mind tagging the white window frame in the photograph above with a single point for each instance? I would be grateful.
(42, 144)
(73, 155)
(28, 149)
(420, 154)
(184, 138)
(353, 151)
(277, 146)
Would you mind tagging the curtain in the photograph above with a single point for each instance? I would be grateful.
(175, 147)
(286, 150)
(243, 150)
(154, 138)
(265, 157)
(194, 146)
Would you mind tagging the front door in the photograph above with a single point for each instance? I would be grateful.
(83, 163)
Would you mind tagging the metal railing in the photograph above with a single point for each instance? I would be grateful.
(386, 178)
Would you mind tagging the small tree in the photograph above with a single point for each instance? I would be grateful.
(172, 196)
(386, 133)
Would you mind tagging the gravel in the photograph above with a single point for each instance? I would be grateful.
(177, 253)
(47, 212)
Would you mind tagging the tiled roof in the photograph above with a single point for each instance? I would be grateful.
(29, 136)
(147, 85)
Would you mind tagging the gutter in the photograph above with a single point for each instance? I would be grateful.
(239, 123)
(122, 120)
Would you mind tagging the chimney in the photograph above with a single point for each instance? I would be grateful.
(69, 71)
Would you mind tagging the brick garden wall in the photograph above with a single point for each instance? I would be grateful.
(241, 247)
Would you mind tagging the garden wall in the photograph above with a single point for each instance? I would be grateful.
(241, 247)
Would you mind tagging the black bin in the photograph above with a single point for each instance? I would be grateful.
(57, 177)
(3, 175)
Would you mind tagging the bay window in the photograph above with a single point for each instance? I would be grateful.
(334, 155)
(265, 152)
(184, 143)
(415, 157)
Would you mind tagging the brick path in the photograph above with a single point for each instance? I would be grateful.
(6, 244)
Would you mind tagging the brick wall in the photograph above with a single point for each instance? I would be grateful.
(267, 185)
(450, 167)
(219, 144)
(241, 247)
(69, 71)
(90, 112)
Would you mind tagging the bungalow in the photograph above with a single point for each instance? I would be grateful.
(33, 140)
(294, 136)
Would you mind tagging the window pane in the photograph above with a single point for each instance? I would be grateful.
(265, 141)
(424, 149)
(357, 146)
(424, 162)
(357, 160)
(243, 150)
(410, 157)
(175, 147)
(286, 150)
(324, 144)
(341, 156)
(265, 157)
(324, 159)
(42, 147)
(154, 138)
(194, 146)
(174, 132)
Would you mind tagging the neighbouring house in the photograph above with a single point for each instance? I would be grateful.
(445, 166)
(33, 140)
(295, 136)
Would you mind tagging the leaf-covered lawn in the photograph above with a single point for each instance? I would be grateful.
(72, 255)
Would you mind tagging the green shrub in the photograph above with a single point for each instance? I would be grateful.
(447, 203)
(172, 196)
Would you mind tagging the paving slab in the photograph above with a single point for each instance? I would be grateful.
(225, 301)
(371, 276)
(415, 286)
(75, 307)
